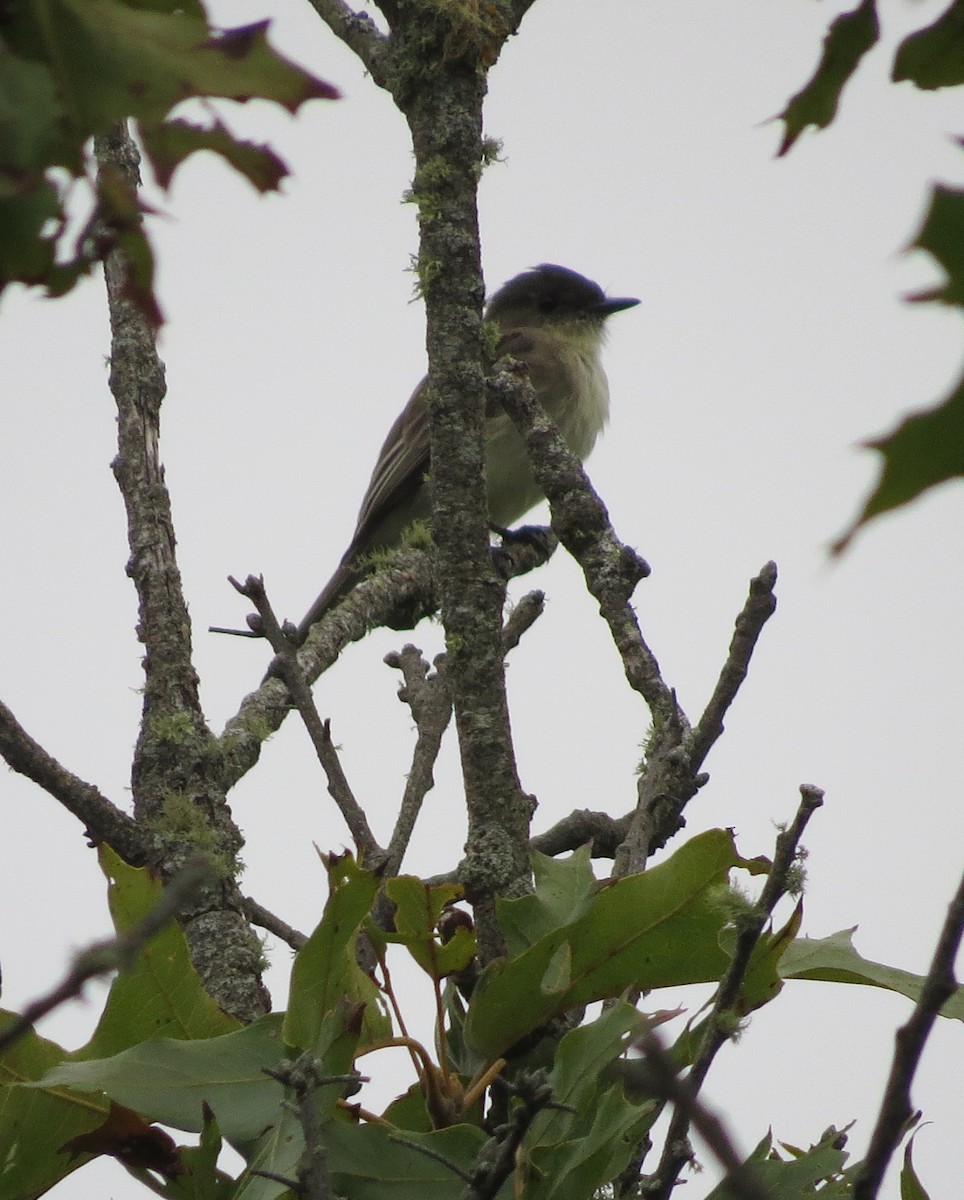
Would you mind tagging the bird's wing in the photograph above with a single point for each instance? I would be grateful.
(402, 465)
(403, 461)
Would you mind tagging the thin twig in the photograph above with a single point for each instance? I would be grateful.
(725, 1010)
(671, 776)
(760, 605)
(304, 1077)
(522, 617)
(114, 954)
(103, 821)
(258, 915)
(397, 595)
(497, 1159)
(359, 32)
(741, 1180)
(369, 851)
(606, 834)
(314, 1174)
(896, 1109)
(433, 1154)
(430, 702)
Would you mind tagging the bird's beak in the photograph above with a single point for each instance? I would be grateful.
(613, 304)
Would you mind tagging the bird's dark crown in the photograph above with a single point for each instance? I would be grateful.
(555, 293)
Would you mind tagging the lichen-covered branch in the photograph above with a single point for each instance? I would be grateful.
(397, 595)
(430, 702)
(445, 119)
(176, 772)
(359, 33)
(671, 773)
(579, 518)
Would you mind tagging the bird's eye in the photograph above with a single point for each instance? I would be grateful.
(548, 305)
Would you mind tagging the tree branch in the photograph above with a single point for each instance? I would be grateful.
(397, 595)
(259, 915)
(430, 702)
(671, 776)
(370, 853)
(497, 1159)
(114, 954)
(741, 1180)
(896, 1109)
(103, 821)
(760, 605)
(525, 614)
(359, 33)
(138, 385)
(579, 518)
(725, 1012)
(519, 8)
(409, 578)
(606, 833)
(175, 775)
(304, 1077)
(444, 112)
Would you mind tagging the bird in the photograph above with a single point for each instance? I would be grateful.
(552, 320)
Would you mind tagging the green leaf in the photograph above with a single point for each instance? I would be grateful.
(171, 1081)
(280, 1146)
(848, 39)
(418, 908)
(926, 448)
(201, 1179)
(30, 118)
(601, 1144)
(934, 56)
(563, 890)
(762, 982)
(71, 69)
(794, 1178)
(35, 1124)
(325, 972)
(278, 1150)
(366, 1162)
(572, 1153)
(942, 235)
(911, 1187)
(24, 253)
(408, 1111)
(660, 928)
(834, 959)
(162, 995)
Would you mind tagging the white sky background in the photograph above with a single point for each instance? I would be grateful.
(771, 337)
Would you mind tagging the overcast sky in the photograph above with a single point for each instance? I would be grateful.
(771, 338)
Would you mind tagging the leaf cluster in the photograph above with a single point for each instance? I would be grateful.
(163, 1052)
(71, 70)
(926, 448)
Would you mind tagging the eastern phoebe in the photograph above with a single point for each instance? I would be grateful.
(552, 320)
